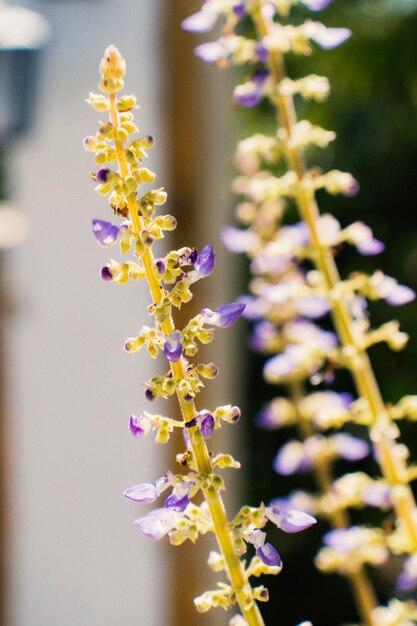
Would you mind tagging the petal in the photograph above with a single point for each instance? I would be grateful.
(201, 22)
(204, 264)
(106, 233)
(177, 503)
(328, 38)
(316, 5)
(139, 426)
(145, 492)
(207, 426)
(350, 448)
(173, 347)
(369, 247)
(400, 294)
(269, 555)
(407, 580)
(296, 521)
(230, 313)
(257, 538)
(211, 52)
(291, 459)
(156, 524)
(238, 240)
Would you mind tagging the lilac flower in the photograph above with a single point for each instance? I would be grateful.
(265, 551)
(239, 9)
(283, 365)
(106, 233)
(102, 175)
(369, 247)
(207, 426)
(261, 52)
(378, 495)
(407, 580)
(161, 266)
(106, 273)
(400, 294)
(275, 414)
(157, 523)
(239, 240)
(269, 555)
(296, 500)
(212, 52)
(177, 503)
(139, 425)
(251, 93)
(255, 308)
(290, 521)
(201, 22)
(291, 459)
(173, 347)
(205, 261)
(264, 336)
(312, 306)
(316, 5)
(145, 492)
(224, 316)
(350, 448)
(327, 38)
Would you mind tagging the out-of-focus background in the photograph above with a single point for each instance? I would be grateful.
(70, 554)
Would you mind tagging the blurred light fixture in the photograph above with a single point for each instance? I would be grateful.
(22, 35)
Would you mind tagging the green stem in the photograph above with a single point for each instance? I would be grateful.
(362, 589)
(234, 567)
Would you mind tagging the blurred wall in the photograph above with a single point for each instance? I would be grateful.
(75, 557)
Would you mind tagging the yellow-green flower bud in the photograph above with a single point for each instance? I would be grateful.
(126, 103)
(98, 102)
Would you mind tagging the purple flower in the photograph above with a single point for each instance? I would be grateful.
(264, 335)
(173, 347)
(207, 426)
(239, 240)
(290, 521)
(261, 52)
(224, 316)
(328, 38)
(106, 233)
(283, 365)
(106, 273)
(378, 495)
(350, 448)
(205, 261)
(102, 175)
(157, 523)
(139, 425)
(201, 22)
(239, 9)
(161, 266)
(145, 492)
(316, 5)
(407, 580)
(251, 93)
(313, 306)
(369, 247)
(292, 459)
(177, 503)
(400, 294)
(212, 52)
(269, 555)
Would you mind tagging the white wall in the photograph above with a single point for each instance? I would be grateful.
(75, 557)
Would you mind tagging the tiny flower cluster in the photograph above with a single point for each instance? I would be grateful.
(295, 284)
(193, 505)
